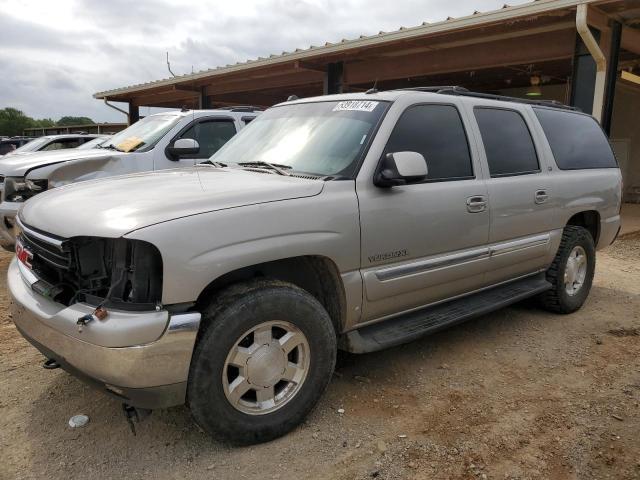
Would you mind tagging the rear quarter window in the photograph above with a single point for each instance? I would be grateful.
(576, 140)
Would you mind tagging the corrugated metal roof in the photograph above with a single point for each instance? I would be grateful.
(475, 19)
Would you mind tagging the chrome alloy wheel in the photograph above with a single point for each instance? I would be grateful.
(266, 367)
(575, 271)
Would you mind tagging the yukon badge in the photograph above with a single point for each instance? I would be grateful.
(381, 257)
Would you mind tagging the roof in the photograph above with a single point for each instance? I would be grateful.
(433, 93)
(403, 33)
(71, 135)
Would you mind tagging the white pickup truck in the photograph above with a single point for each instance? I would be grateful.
(163, 140)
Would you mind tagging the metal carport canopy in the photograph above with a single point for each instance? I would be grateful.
(539, 31)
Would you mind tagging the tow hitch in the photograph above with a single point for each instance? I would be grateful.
(50, 364)
(134, 415)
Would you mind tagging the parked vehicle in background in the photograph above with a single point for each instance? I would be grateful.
(159, 141)
(10, 144)
(54, 142)
(356, 221)
(93, 143)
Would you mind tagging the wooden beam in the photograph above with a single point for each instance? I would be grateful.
(475, 40)
(248, 85)
(631, 40)
(186, 88)
(164, 97)
(516, 51)
(598, 19)
(251, 98)
(302, 65)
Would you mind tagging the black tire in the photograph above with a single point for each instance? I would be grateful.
(557, 299)
(234, 312)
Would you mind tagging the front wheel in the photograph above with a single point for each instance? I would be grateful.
(263, 361)
(571, 272)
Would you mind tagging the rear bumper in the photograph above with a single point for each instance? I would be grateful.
(151, 374)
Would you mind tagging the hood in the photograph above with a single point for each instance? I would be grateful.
(116, 206)
(18, 165)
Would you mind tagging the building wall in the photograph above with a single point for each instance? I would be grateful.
(625, 138)
(558, 92)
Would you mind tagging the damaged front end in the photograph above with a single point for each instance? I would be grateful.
(109, 272)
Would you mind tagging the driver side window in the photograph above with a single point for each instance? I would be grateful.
(211, 135)
(437, 132)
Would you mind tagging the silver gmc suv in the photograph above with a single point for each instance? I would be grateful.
(356, 221)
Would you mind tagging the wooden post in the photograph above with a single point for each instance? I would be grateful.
(612, 75)
(333, 78)
(134, 113)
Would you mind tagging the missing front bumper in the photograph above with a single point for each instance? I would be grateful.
(146, 375)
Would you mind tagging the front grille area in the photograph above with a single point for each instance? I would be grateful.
(47, 253)
(119, 272)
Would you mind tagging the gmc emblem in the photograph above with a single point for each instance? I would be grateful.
(23, 255)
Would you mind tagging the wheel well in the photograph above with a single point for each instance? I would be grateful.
(316, 274)
(590, 220)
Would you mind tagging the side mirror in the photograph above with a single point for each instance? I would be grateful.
(401, 168)
(182, 147)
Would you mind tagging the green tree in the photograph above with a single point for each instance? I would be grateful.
(65, 121)
(44, 123)
(13, 121)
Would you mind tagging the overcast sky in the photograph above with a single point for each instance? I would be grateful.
(54, 54)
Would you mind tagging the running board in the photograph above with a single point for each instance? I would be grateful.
(416, 324)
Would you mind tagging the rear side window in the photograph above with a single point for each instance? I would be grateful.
(576, 140)
(507, 142)
(435, 131)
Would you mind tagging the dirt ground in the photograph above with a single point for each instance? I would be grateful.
(518, 394)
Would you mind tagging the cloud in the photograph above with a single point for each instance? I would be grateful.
(55, 55)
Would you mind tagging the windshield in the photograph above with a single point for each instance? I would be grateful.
(92, 143)
(143, 134)
(31, 146)
(322, 138)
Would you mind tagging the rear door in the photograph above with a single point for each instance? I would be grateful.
(520, 193)
(425, 242)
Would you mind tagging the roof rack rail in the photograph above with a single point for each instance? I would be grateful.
(242, 108)
(457, 90)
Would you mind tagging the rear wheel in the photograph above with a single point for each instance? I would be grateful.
(261, 364)
(571, 273)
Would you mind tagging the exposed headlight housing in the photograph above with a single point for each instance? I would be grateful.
(115, 272)
(18, 189)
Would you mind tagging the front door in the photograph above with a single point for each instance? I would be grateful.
(425, 242)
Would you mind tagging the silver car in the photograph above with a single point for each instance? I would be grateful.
(50, 143)
(356, 221)
(162, 140)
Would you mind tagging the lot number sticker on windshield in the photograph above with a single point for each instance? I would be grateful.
(355, 106)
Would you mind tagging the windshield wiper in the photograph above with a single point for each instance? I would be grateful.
(277, 167)
(215, 164)
(111, 146)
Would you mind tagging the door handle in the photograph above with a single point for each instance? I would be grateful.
(476, 204)
(541, 196)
